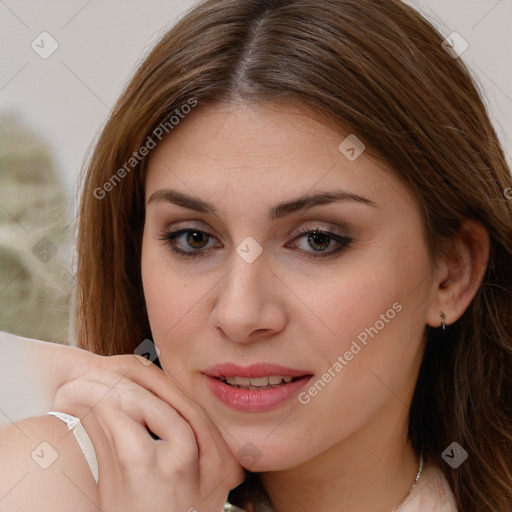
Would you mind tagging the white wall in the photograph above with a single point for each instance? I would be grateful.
(67, 97)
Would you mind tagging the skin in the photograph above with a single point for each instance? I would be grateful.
(116, 398)
(288, 309)
(283, 308)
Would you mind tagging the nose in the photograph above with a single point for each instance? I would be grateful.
(249, 305)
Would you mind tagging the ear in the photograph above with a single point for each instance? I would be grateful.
(460, 273)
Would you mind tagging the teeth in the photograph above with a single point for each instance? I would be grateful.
(259, 381)
(256, 382)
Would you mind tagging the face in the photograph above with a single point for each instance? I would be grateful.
(287, 283)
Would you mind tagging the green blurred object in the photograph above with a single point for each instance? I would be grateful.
(35, 238)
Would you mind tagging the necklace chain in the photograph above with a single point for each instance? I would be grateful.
(420, 469)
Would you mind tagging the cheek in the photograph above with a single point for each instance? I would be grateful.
(367, 321)
(174, 305)
(376, 319)
(358, 304)
(161, 290)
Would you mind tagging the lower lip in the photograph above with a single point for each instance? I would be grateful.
(252, 400)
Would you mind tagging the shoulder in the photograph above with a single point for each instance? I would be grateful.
(432, 493)
(43, 468)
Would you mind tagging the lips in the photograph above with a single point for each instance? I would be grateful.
(256, 387)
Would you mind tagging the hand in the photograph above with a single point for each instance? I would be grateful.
(118, 399)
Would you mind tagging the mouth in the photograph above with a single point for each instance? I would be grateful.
(256, 387)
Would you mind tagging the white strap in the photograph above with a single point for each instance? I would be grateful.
(75, 425)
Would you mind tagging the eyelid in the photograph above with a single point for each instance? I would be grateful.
(340, 229)
(191, 224)
(318, 220)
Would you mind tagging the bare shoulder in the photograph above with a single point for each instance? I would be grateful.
(43, 468)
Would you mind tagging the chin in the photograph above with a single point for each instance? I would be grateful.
(258, 456)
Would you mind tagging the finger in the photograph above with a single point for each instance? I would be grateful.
(147, 464)
(99, 389)
(214, 453)
(127, 455)
(149, 412)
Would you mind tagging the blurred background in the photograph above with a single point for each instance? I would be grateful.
(63, 65)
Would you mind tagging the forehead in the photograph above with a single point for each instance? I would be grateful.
(263, 153)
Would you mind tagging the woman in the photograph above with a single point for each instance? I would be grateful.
(303, 204)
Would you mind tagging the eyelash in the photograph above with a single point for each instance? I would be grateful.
(170, 236)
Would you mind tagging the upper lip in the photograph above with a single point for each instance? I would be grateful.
(254, 370)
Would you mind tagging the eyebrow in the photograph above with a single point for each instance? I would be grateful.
(277, 212)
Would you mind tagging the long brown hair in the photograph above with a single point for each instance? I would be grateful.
(377, 67)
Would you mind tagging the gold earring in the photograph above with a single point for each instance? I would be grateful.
(443, 320)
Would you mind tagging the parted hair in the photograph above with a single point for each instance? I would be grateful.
(378, 68)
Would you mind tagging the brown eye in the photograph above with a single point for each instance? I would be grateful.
(320, 244)
(189, 243)
(197, 239)
(319, 241)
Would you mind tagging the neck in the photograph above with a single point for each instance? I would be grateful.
(373, 469)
